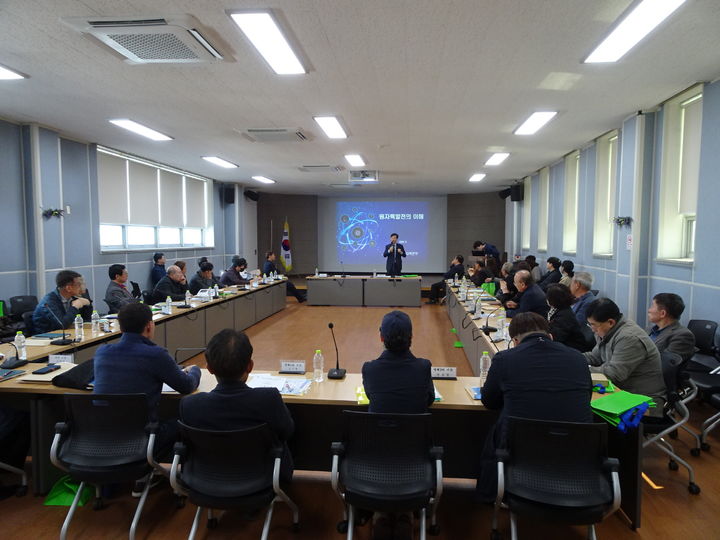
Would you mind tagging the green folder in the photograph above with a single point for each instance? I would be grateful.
(617, 403)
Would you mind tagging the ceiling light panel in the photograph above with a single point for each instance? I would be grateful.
(497, 158)
(535, 122)
(139, 129)
(477, 177)
(261, 28)
(639, 23)
(220, 162)
(355, 160)
(7, 74)
(263, 180)
(331, 126)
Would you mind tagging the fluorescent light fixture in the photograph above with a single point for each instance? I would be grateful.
(497, 158)
(638, 24)
(263, 180)
(355, 160)
(331, 126)
(534, 122)
(140, 129)
(264, 33)
(220, 162)
(477, 177)
(7, 74)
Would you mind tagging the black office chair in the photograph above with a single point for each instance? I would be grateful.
(229, 469)
(105, 439)
(148, 297)
(707, 342)
(675, 415)
(386, 463)
(22, 304)
(556, 471)
(712, 422)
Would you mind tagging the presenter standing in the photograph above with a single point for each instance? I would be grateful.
(394, 253)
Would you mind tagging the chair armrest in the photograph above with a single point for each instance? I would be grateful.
(502, 455)
(180, 450)
(436, 452)
(152, 427)
(61, 428)
(277, 451)
(611, 464)
(337, 448)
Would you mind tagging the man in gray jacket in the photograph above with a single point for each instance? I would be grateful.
(667, 332)
(117, 294)
(624, 353)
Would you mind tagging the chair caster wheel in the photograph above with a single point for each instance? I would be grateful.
(673, 466)
(694, 488)
(296, 527)
(21, 491)
(695, 452)
(705, 446)
(180, 501)
(434, 530)
(212, 523)
(495, 535)
(99, 504)
(342, 527)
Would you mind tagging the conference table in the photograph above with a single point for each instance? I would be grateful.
(401, 291)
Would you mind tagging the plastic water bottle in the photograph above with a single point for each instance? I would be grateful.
(484, 365)
(168, 306)
(316, 272)
(20, 346)
(374, 273)
(264, 279)
(455, 281)
(216, 291)
(188, 296)
(95, 323)
(79, 330)
(318, 366)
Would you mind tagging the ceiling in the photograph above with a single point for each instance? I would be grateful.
(428, 89)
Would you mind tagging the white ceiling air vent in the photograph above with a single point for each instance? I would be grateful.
(322, 168)
(363, 177)
(275, 135)
(343, 186)
(169, 40)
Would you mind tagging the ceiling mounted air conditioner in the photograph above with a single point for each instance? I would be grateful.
(275, 135)
(363, 177)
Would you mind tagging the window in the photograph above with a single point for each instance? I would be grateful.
(526, 213)
(570, 202)
(146, 205)
(543, 209)
(605, 181)
(682, 124)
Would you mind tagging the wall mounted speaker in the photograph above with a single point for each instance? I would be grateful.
(504, 194)
(228, 195)
(252, 195)
(516, 193)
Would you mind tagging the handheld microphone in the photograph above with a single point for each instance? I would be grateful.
(13, 361)
(336, 372)
(64, 340)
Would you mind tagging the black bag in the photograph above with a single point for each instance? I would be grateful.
(78, 377)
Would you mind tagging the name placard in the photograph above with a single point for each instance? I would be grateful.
(55, 358)
(444, 372)
(295, 366)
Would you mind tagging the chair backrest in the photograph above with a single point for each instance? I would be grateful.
(705, 335)
(395, 444)
(27, 323)
(557, 461)
(105, 429)
(22, 304)
(672, 366)
(148, 297)
(229, 463)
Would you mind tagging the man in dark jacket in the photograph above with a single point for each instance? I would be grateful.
(553, 276)
(232, 404)
(204, 278)
(531, 297)
(236, 274)
(667, 332)
(437, 290)
(394, 251)
(537, 379)
(59, 308)
(173, 285)
(269, 268)
(486, 249)
(158, 269)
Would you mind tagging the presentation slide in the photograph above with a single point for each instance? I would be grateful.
(353, 233)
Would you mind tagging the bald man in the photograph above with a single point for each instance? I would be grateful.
(173, 285)
(532, 297)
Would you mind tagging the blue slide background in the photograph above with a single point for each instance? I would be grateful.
(363, 229)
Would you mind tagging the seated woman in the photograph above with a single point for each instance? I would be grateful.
(567, 272)
(564, 326)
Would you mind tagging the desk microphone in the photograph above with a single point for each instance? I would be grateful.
(13, 361)
(64, 340)
(336, 372)
(486, 328)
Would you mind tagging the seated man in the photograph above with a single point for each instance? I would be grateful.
(158, 269)
(117, 295)
(135, 365)
(624, 353)
(513, 387)
(59, 308)
(172, 285)
(397, 381)
(479, 274)
(204, 277)
(437, 290)
(667, 332)
(269, 268)
(236, 274)
(580, 288)
(232, 404)
(530, 296)
(553, 276)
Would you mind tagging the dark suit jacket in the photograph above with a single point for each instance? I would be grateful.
(52, 303)
(398, 383)
(532, 299)
(167, 287)
(455, 269)
(580, 307)
(269, 267)
(393, 265)
(565, 329)
(234, 405)
(551, 277)
(674, 338)
(157, 273)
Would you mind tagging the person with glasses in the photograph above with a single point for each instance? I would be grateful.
(59, 307)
